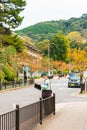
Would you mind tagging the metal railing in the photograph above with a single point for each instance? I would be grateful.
(14, 84)
(28, 116)
(7, 121)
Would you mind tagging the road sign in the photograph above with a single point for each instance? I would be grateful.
(27, 68)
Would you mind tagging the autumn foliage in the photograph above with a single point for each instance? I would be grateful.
(79, 60)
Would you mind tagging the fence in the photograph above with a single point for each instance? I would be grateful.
(27, 117)
(13, 84)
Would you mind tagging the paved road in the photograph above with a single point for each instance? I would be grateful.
(65, 94)
(29, 95)
(23, 96)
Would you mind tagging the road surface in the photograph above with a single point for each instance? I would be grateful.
(28, 95)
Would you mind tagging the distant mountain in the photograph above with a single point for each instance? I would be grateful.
(45, 30)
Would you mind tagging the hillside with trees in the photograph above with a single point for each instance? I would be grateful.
(45, 30)
(67, 40)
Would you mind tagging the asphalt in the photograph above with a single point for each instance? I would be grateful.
(69, 116)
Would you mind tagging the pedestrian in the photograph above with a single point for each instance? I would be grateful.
(46, 88)
(82, 82)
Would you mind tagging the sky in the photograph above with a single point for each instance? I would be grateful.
(46, 10)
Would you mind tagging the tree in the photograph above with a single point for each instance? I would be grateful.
(79, 59)
(43, 46)
(76, 40)
(13, 40)
(10, 44)
(9, 14)
(60, 66)
(7, 63)
(60, 48)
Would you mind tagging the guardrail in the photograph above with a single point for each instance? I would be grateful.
(27, 117)
(13, 84)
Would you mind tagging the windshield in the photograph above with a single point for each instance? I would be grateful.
(74, 75)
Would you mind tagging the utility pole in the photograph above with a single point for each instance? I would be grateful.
(50, 72)
(48, 58)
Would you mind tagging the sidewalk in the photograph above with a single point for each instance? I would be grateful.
(69, 116)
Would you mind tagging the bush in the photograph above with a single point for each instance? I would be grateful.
(9, 73)
(36, 77)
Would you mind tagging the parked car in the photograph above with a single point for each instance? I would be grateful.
(74, 80)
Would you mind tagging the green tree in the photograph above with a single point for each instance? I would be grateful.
(8, 63)
(43, 46)
(10, 43)
(9, 73)
(13, 40)
(60, 49)
(75, 39)
(9, 14)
